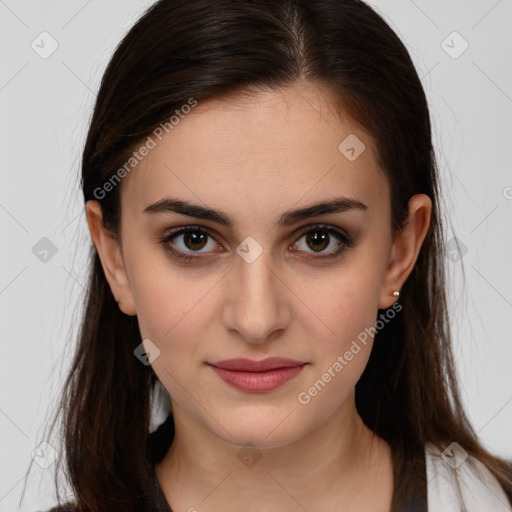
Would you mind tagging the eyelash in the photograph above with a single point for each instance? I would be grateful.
(346, 241)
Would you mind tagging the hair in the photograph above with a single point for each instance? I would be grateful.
(408, 393)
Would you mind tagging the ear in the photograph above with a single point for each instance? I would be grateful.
(111, 257)
(406, 247)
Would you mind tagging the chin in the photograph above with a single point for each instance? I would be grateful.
(254, 431)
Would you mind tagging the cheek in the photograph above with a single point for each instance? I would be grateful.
(163, 292)
(341, 303)
(342, 350)
(172, 315)
(340, 316)
(174, 310)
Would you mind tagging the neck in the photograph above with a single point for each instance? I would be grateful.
(339, 460)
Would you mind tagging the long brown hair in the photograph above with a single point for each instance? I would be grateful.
(182, 49)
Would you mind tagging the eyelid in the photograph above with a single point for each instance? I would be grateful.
(174, 232)
(318, 225)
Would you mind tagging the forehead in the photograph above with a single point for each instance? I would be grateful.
(258, 152)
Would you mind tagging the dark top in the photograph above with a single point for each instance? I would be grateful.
(158, 442)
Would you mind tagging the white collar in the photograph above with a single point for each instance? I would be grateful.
(477, 488)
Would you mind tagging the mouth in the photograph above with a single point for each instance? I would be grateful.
(257, 376)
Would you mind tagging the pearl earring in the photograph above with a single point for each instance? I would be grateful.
(396, 293)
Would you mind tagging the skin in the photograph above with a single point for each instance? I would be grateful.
(254, 158)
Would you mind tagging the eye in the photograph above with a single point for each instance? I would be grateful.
(321, 237)
(190, 239)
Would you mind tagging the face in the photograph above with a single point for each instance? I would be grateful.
(256, 280)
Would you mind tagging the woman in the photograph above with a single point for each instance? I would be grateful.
(263, 200)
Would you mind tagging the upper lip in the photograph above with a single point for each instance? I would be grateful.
(248, 365)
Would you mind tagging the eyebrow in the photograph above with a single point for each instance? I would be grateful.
(169, 205)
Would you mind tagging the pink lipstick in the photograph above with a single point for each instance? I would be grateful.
(257, 376)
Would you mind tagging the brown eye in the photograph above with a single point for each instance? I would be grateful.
(317, 240)
(194, 240)
(184, 243)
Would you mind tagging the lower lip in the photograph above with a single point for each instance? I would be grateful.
(258, 381)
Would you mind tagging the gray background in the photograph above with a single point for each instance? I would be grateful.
(46, 105)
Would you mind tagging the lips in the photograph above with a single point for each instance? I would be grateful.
(257, 376)
(248, 365)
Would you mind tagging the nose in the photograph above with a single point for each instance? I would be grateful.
(257, 302)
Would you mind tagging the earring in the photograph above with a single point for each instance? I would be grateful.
(396, 293)
(119, 301)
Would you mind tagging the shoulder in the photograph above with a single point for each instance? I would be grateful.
(454, 477)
